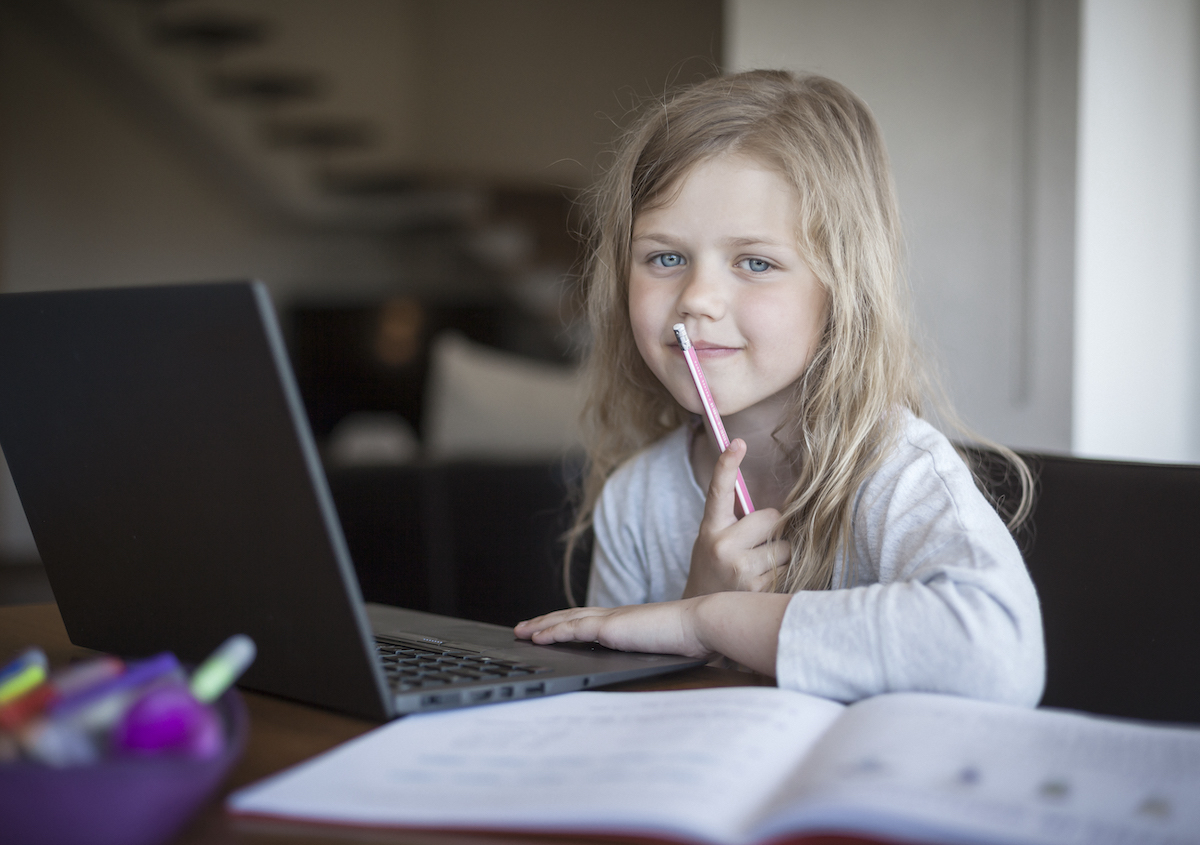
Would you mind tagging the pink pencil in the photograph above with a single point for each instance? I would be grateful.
(710, 411)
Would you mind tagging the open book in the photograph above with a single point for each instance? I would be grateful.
(743, 765)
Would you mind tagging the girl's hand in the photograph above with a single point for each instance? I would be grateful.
(663, 628)
(742, 626)
(731, 553)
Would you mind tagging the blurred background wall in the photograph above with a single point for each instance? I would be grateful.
(977, 103)
(360, 152)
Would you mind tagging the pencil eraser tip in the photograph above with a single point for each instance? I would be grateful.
(681, 335)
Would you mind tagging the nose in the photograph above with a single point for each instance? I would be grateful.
(703, 294)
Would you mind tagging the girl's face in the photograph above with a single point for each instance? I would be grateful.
(721, 258)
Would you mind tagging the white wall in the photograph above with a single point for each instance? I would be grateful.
(1136, 386)
(1056, 330)
(977, 103)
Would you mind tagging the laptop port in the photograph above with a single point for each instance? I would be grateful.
(535, 689)
(505, 692)
(441, 699)
(479, 695)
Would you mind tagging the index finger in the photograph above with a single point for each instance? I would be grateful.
(718, 506)
(563, 625)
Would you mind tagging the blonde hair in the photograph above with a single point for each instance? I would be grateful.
(845, 409)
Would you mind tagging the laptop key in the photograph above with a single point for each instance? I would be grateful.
(466, 674)
(416, 666)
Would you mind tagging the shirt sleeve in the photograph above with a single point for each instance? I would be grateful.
(618, 575)
(952, 608)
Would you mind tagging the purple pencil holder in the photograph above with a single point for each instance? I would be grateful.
(120, 800)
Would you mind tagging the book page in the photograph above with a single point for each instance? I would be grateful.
(946, 769)
(691, 762)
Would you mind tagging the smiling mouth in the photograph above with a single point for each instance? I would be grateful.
(704, 351)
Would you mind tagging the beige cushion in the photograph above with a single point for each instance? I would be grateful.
(485, 403)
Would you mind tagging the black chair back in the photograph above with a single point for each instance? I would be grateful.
(1114, 549)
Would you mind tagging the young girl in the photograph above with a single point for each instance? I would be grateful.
(758, 211)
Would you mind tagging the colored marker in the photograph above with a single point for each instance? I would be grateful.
(178, 718)
(97, 707)
(71, 731)
(18, 711)
(54, 742)
(21, 661)
(222, 668)
(24, 673)
(65, 682)
(710, 411)
(79, 677)
(58, 743)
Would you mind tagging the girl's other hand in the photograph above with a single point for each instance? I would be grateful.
(731, 553)
(662, 628)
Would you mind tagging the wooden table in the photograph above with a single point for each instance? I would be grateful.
(283, 733)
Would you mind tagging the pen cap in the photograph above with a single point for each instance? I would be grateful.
(222, 668)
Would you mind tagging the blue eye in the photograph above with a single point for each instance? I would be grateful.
(757, 265)
(668, 259)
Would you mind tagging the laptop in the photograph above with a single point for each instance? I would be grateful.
(165, 463)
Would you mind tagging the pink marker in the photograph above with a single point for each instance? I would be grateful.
(710, 411)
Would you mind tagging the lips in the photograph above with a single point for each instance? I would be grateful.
(705, 350)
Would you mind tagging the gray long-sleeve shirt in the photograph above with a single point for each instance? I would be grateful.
(937, 597)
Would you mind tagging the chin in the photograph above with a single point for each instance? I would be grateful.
(690, 402)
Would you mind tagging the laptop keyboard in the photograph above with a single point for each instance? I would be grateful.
(414, 666)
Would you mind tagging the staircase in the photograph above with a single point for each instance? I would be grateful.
(309, 105)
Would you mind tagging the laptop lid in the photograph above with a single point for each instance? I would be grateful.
(143, 430)
(161, 451)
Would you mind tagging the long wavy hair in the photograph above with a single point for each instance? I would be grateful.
(845, 410)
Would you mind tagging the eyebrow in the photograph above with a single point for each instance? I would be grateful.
(655, 236)
(667, 240)
(757, 241)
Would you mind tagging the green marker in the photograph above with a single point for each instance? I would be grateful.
(222, 668)
(22, 674)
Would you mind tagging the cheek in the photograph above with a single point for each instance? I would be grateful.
(807, 328)
(818, 317)
(792, 323)
(646, 320)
